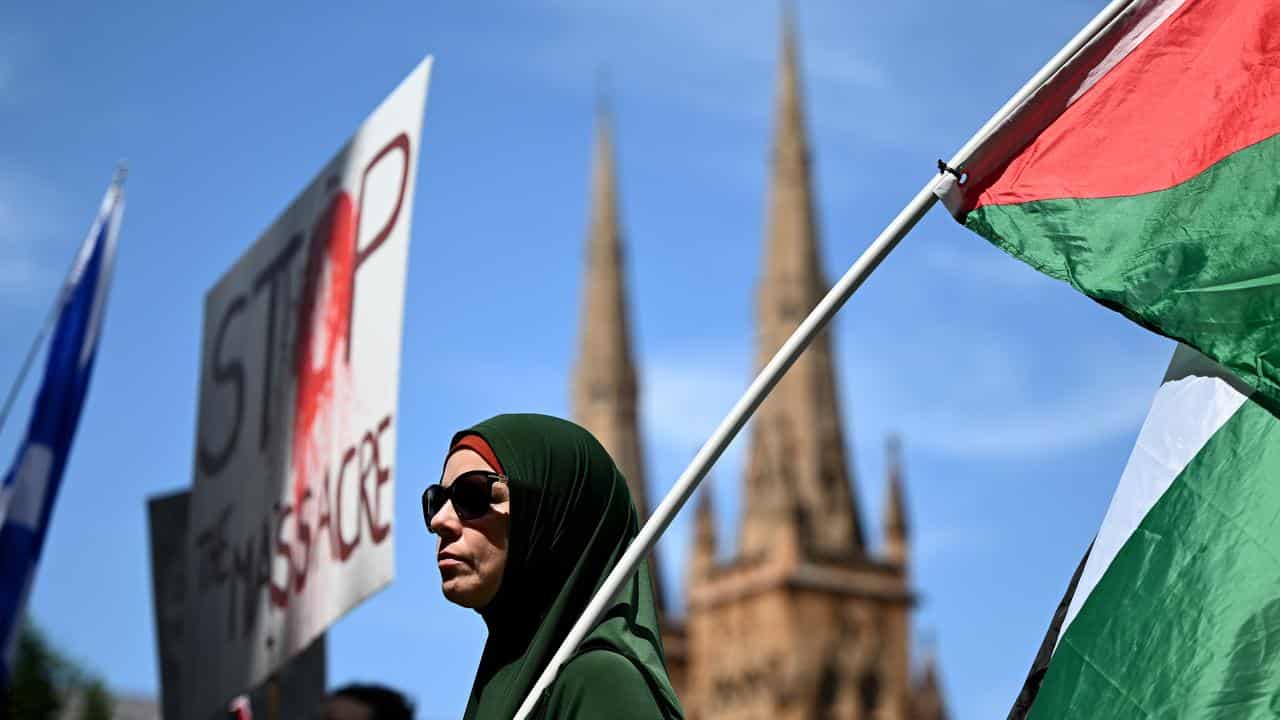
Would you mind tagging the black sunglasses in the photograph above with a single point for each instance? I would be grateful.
(471, 493)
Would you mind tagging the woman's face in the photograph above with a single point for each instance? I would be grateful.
(472, 553)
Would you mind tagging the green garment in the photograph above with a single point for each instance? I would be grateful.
(571, 520)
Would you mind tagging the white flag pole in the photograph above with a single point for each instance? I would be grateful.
(782, 360)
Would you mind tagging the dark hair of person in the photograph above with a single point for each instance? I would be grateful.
(387, 704)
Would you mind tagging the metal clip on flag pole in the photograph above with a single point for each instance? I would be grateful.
(817, 319)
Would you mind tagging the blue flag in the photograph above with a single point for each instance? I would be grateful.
(31, 484)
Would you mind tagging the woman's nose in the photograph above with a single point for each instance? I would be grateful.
(445, 522)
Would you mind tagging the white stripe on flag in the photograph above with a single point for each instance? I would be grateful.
(1195, 400)
(30, 485)
(112, 222)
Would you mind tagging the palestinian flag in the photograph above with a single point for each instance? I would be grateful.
(1175, 611)
(1146, 173)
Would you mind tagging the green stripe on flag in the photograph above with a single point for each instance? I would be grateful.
(1185, 622)
(1198, 262)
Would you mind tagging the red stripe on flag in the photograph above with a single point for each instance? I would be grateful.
(1203, 85)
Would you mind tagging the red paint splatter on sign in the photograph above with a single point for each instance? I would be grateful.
(323, 377)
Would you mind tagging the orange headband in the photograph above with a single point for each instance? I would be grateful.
(477, 444)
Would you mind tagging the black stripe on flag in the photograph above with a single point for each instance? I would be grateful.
(1027, 697)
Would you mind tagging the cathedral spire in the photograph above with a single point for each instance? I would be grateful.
(702, 558)
(790, 141)
(604, 381)
(797, 470)
(896, 529)
(928, 703)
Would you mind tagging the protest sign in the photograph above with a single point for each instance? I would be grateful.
(292, 501)
(300, 684)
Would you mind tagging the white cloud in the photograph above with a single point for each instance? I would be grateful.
(687, 395)
(948, 542)
(995, 397)
(1097, 413)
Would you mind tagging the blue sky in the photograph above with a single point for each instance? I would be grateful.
(1017, 400)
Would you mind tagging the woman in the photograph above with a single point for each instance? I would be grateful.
(532, 514)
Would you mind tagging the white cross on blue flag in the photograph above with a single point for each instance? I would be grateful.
(31, 484)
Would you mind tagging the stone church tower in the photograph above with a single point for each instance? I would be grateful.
(804, 621)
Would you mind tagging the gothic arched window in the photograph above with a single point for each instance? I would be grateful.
(869, 693)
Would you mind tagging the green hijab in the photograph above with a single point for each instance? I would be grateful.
(571, 519)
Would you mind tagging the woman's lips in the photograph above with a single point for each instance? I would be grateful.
(445, 560)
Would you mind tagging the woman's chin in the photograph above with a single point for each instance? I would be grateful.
(461, 593)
